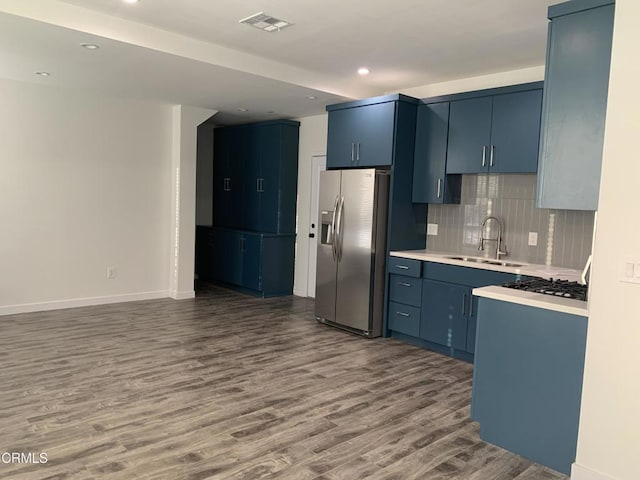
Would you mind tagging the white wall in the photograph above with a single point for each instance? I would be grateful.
(609, 435)
(512, 77)
(313, 141)
(85, 184)
(204, 175)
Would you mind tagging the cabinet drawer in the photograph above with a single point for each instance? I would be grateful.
(404, 319)
(403, 289)
(405, 266)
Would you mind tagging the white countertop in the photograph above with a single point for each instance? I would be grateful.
(533, 270)
(540, 300)
(532, 299)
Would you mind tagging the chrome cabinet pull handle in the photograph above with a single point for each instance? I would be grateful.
(402, 314)
(353, 152)
(358, 152)
(439, 187)
(404, 284)
(493, 149)
(402, 267)
(484, 155)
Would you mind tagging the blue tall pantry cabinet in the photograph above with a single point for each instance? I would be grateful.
(254, 192)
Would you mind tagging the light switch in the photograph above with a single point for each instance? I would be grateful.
(533, 239)
(631, 271)
(432, 229)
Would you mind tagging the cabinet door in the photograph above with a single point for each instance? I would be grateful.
(515, 132)
(361, 136)
(444, 316)
(251, 246)
(575, 101)
(430, 182)
(221, 176)
(341, 138)
(374, 142)
(251, 212)
(269, 142)
(469, 135)
(227, 256)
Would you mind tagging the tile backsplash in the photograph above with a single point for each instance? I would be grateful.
(564, 236)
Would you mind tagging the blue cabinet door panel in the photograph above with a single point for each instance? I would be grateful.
(469, 135)
(515, 132)
(407, 290)
(574, 109)
(251, 261)
(404, 319)
(375, 134)
(444, 314)
(341, 139)
(430, 182)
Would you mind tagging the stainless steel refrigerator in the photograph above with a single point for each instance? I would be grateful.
(350, 269)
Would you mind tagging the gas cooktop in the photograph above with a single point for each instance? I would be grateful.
(558, 288)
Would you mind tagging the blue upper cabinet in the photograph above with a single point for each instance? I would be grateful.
(495, 133)
(430, 182)
(515, 132)
(361, 134)
(255, 176)
(575, 101)
(469, 135)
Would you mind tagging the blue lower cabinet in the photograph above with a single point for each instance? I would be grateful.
(445, 313)
(256, 263)
(527, 380)
(404, 319)
(443, 301)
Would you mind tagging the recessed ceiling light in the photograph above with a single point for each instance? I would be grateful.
(266, 22)
(363, 71)
(43, 74)
(243, 110)
(130, 1)
(90, 46)
(311, 97)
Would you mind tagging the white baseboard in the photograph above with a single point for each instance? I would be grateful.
(80, 302)
(299, 292)
(579, 472)
(183, 295)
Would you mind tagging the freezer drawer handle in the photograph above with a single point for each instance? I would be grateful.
(402, 314)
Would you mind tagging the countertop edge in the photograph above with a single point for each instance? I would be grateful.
(527, 269)
(531, 299)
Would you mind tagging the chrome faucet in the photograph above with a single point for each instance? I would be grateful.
(498, 240)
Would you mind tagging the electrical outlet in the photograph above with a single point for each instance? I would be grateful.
(533, 239)
(432, 229)
(111, 273)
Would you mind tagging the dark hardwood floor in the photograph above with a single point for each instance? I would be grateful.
(232, 387)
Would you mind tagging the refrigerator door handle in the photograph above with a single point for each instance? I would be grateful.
(334, 251)
(339, 231)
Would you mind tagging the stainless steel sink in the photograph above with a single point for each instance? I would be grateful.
(488, 261)
(504, 264)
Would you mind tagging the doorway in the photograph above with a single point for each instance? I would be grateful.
(318, 164)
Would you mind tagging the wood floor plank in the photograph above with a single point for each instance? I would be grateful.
(226, 386)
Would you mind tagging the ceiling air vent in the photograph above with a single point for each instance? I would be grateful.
(266, 22)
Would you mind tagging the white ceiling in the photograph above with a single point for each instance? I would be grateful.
(195, 52)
